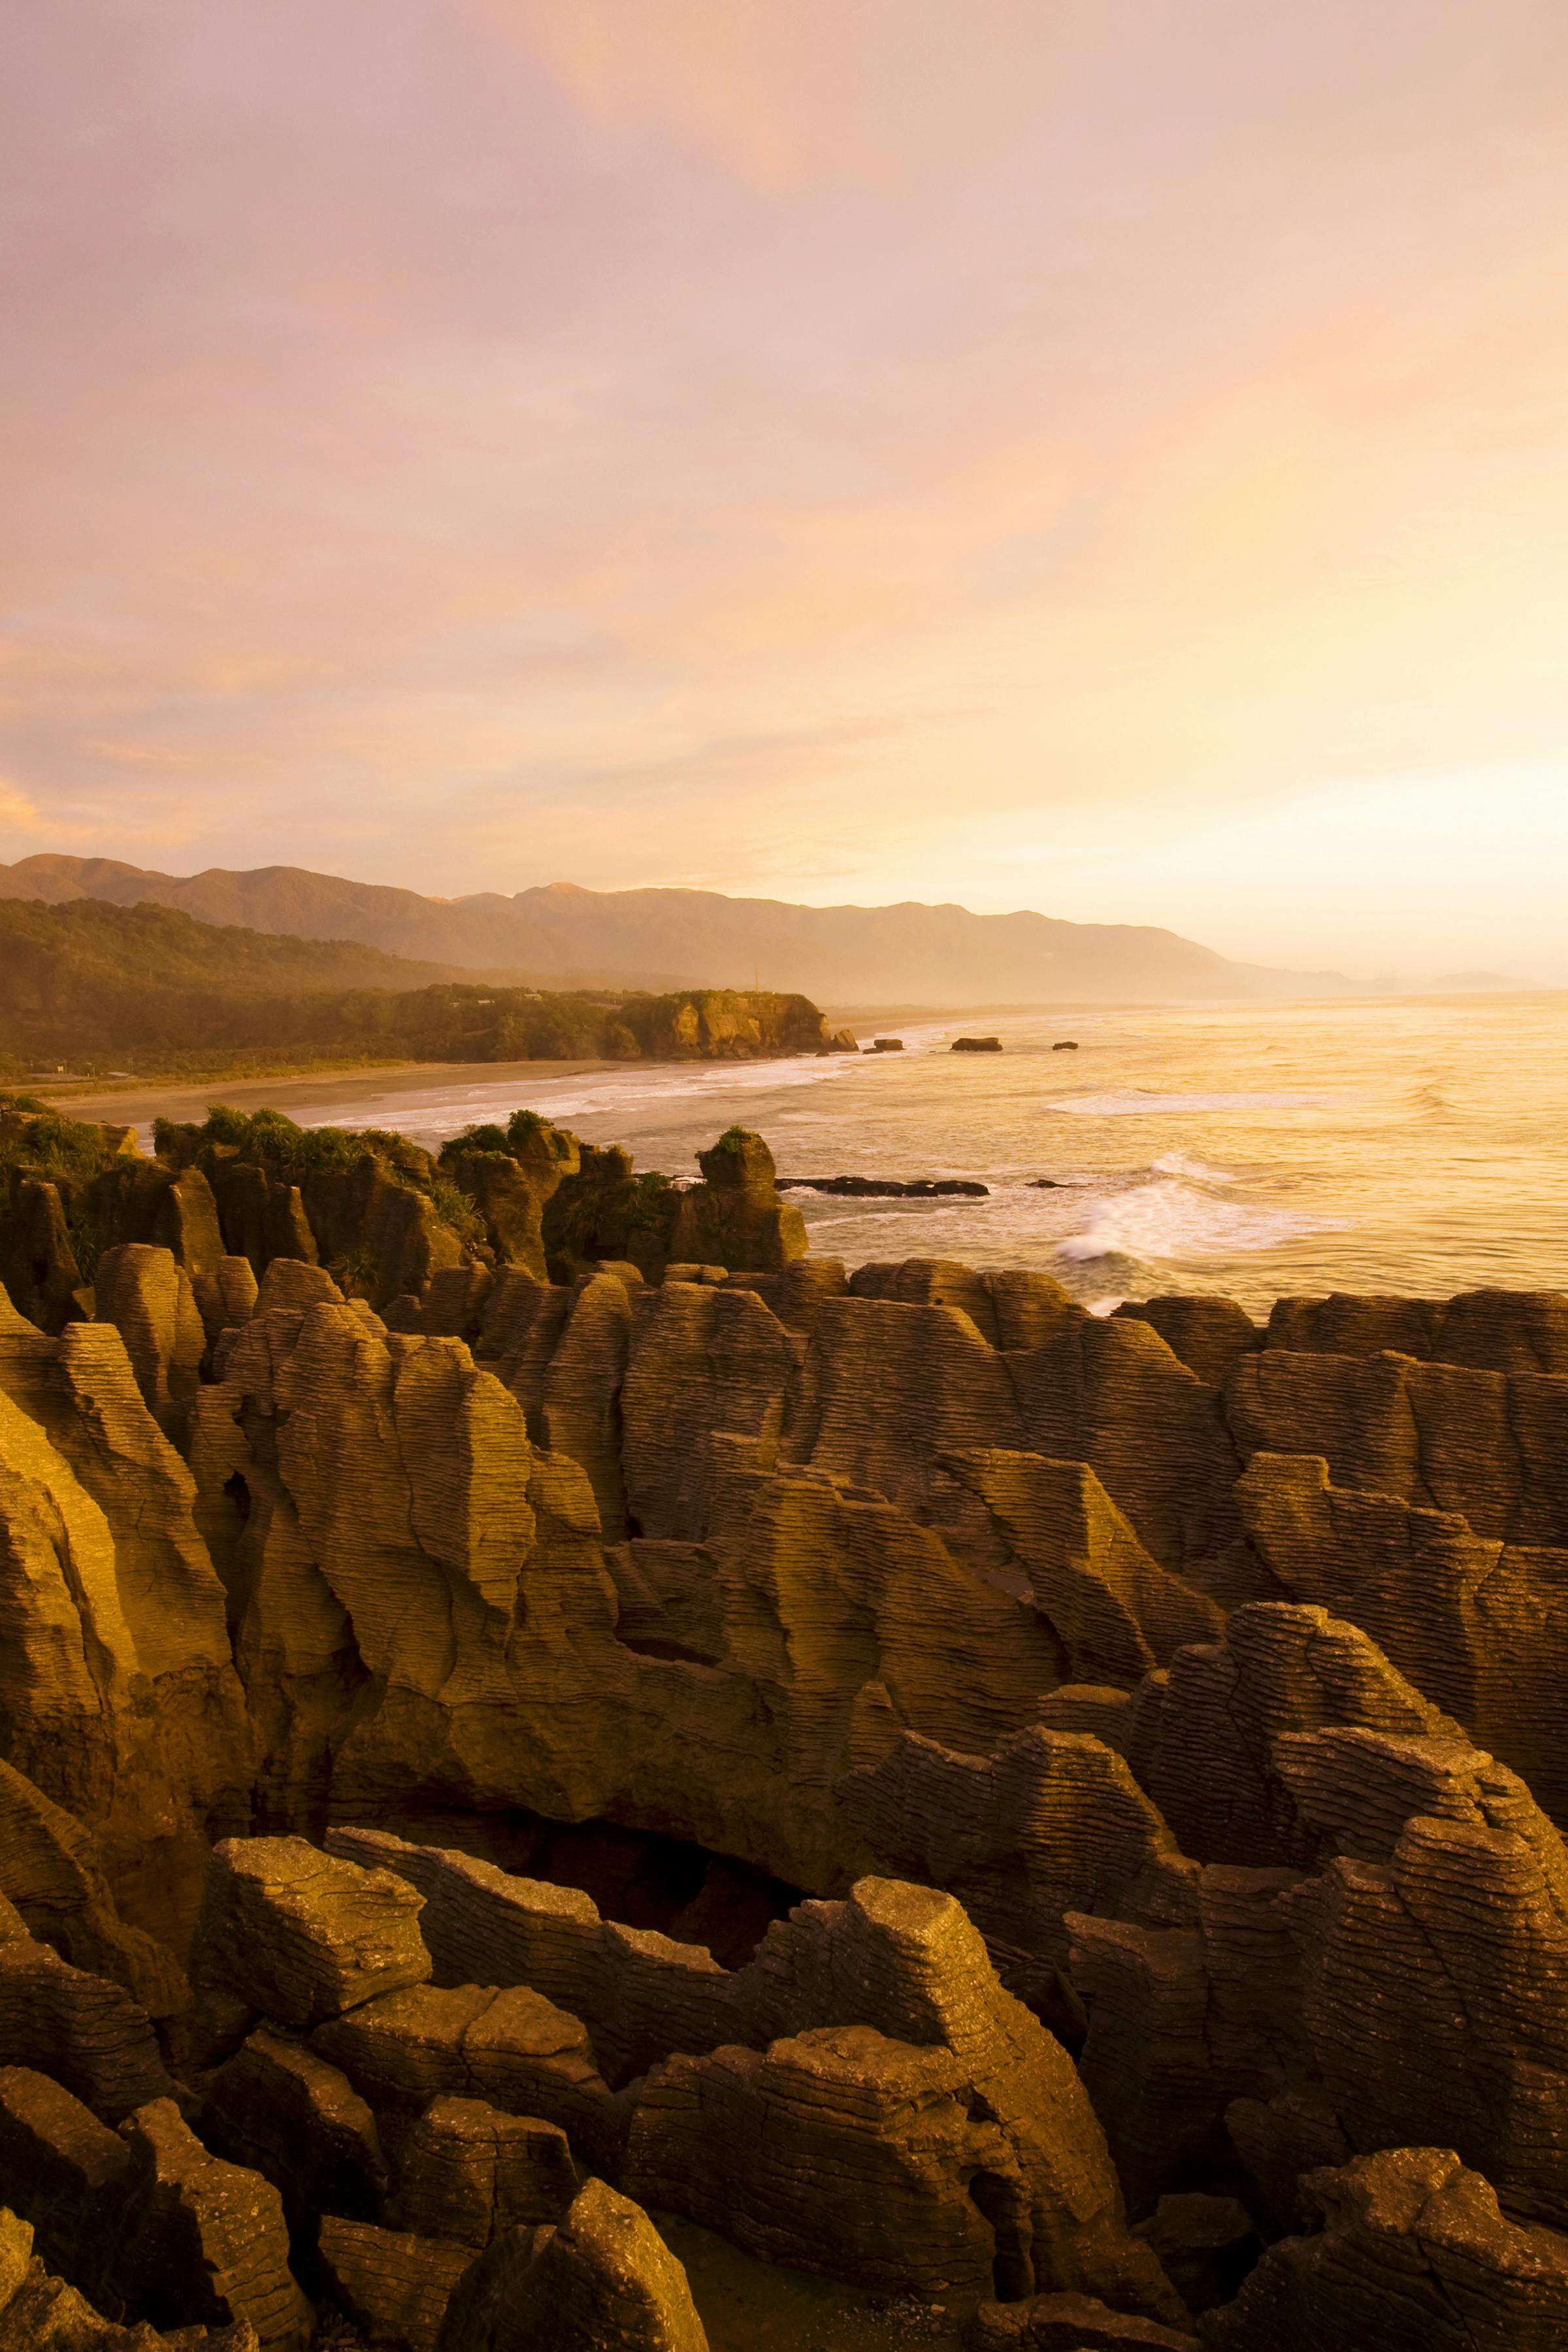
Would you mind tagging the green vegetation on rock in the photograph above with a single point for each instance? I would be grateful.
(149, 991)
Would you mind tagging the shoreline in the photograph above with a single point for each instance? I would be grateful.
(134, 1102)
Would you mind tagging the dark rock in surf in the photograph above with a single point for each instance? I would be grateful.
(886, 1188)
(975, 1046)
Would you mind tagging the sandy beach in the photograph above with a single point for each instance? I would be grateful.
(373, 1093)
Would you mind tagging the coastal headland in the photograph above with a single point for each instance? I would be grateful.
(572, 1772)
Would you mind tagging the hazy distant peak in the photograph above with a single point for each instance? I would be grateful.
(564, 934)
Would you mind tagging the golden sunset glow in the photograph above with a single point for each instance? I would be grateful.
(1105, 456)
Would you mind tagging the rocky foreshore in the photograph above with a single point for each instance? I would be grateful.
(886, 1188)
(541, 1725)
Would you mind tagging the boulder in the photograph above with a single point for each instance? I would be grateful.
(279, 2107)
(394, 2288)
(513, 2048)
(470, 2171)
(640, 1994)
(196, 2241)
(61, 2170)
(302, 1935)
(735, 1218)
(604, 2278)
(85, 2032)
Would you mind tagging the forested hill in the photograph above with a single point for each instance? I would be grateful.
(148, 991)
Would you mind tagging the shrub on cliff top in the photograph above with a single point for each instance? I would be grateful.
(287, 1150)
(45, 1143)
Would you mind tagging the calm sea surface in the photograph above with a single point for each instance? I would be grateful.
(1416, 1144)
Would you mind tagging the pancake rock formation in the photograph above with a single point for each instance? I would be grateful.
(541, 1724)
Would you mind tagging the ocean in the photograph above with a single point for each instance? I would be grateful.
(1416, 1145)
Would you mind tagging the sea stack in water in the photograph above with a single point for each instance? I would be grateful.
(975, 1046)
(1054, 1817)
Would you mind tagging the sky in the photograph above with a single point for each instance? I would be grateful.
(1103, 456)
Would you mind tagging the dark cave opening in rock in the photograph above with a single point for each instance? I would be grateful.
(1005, 2208)
(637, 1877)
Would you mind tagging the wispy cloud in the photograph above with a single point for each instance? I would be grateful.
(971, 451)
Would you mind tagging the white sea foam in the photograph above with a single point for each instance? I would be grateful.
(1130, 1102)
(442, 1113)
(1186, 1163)
(1170, 1219)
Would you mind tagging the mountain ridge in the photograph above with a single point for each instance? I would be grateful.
(566, 934)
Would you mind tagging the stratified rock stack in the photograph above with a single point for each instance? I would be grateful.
(1414, 2255)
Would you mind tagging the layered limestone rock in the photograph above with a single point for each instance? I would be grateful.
(512, 1187)
(974, 2155)
(147, 1296)
(1413, 2254)
(1050, 1822)
(86, 2033)
(640, 1995)
(198, 2241)
(1220, 1683)
(61, 2169)
(735, 1218)
(1489, 1330)
(511, 2048)
(1483, 1443)
(118, 1691)
(38, 2311)
(925, 1360)
(278, 2108)
(1051, 1527)
(1201, 1736)
(301, 1937)
(604, 2277)
(883, 2011)
(1460, 1614)
(469, 2171)
(843, 2150)
(1414, 1975)
(393, 2286)
(49, 1870)
(422, 1595)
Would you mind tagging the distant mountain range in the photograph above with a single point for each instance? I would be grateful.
(559, 935)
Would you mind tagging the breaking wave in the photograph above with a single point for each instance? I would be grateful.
(1171, 1219)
